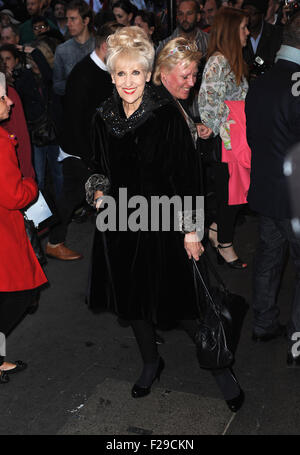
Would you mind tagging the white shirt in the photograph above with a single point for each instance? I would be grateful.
(98, 61)
(255, 42)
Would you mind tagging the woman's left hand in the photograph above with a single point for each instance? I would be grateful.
(192, 246)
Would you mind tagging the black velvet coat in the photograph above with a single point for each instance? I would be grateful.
(144, 275)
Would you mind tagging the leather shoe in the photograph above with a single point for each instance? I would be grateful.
(279, 332)
(62, 253)
(20, 366)
(292, 362)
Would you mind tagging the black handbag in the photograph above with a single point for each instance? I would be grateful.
(221, 319)
(34, 240)
(210, 149)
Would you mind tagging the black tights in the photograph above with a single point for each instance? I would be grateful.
(226, 214)
(145, 336)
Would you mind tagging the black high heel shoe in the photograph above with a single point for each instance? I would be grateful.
(138, 391)
(236, 264)
(236, 403)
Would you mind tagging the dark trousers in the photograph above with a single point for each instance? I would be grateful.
(145, 336)
(274, 238)
(226, 214)
(43, 155)
(75, 174)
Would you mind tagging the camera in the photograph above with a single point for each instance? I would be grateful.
(258, 67)
(16, 72)
(22, 65)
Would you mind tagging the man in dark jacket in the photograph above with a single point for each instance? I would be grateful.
(89, 83)
(273, 127)
(264, 39)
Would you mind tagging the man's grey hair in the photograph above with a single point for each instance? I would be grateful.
(291, 32)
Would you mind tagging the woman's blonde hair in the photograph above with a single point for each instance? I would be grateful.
(133, 42)
(175, 51)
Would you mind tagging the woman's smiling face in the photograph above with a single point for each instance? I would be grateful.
(180, 79)
(130, 77)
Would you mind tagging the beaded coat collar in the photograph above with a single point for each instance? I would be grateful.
(113, 114)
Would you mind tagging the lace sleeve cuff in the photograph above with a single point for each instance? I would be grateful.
(96, 182)
(191, 220)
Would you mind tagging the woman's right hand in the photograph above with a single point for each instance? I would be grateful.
(98, 194)
(203, 131)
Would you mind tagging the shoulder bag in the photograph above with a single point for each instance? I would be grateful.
(221, 318)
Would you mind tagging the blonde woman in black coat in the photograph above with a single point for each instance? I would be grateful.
(144, 144)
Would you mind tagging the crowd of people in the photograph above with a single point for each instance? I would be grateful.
(98, 96)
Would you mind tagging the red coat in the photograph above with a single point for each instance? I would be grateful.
(19, 267)
(16, 124)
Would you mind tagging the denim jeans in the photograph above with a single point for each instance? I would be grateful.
(48, 154)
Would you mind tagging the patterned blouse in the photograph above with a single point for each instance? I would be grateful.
(218, 85)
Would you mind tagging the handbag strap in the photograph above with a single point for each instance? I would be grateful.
(206, 290)
(215, 273)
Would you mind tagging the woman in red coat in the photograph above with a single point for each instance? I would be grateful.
(20, 271)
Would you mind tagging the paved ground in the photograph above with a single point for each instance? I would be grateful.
(82, 367)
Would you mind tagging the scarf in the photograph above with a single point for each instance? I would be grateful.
(113, 114)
